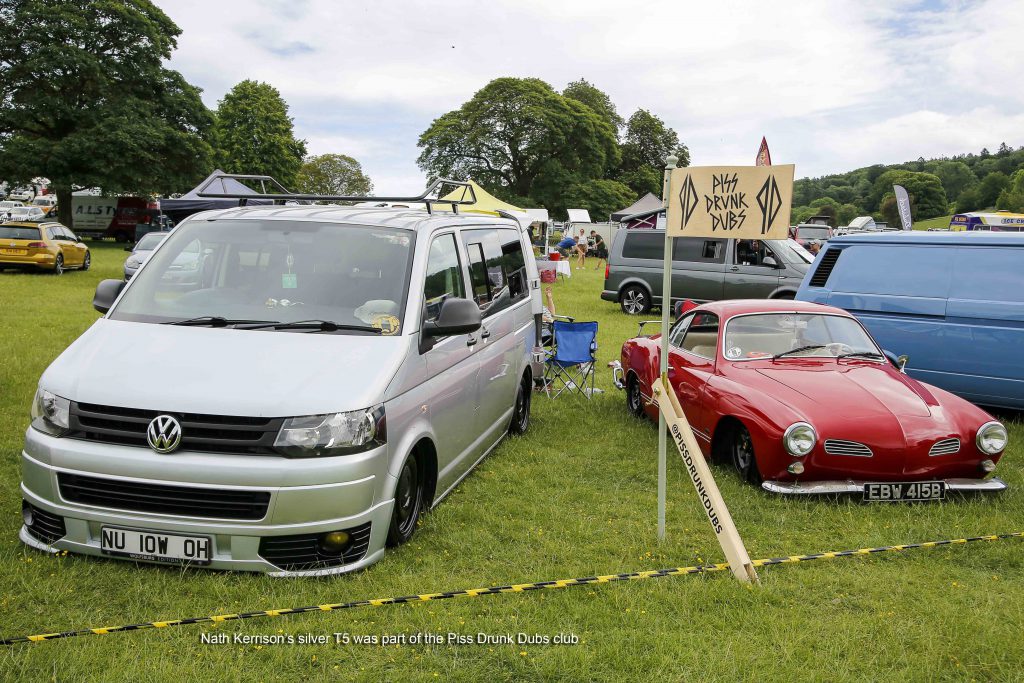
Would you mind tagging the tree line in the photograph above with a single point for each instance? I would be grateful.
(87, 102)
(937, 187)
(532, 146)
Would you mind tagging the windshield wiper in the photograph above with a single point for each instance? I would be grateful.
(862, 354)
(798, 350)
(314, 326)
(211, 320)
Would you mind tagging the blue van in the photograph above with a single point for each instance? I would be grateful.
(953, 302)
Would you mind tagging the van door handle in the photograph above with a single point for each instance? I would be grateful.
(471, 341)
(734, 268)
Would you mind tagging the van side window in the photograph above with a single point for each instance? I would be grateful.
(698, 250)
(514, 264)
(701, 338)
(752, 253)
(1001, 281)
(486, 274)
(644, 245)
(444, 275)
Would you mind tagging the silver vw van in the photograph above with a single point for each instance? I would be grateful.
(284, 389)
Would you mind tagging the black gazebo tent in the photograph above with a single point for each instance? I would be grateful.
(646, 203)
(190, 202)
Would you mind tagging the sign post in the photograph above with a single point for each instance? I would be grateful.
(732, 202)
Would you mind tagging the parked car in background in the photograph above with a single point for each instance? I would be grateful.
(22, 194)
(46, 202)
(41, 246)
(24, 213)
(953, 302)
(8, 204)
(805, 232)
(142, 251)
(330, 374)
(801, 400)
(704, 269)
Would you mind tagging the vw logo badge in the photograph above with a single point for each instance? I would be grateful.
(163, 434)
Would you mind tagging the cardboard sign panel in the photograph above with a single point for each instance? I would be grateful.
(740, 202)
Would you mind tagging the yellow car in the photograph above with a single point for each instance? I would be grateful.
(43, 246)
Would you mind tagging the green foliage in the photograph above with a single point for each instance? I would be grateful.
(1012, 198)
(990, 188)
(969, 200)
(518, 136)
(585, 92)
(955, 176)
(87, 101)
(645, 145)
(332, 174)
(253, 133)
(927, 198)
(599, 197)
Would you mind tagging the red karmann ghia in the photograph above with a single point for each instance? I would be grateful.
(800, 399)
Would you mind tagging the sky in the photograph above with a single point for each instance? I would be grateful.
(833, 85)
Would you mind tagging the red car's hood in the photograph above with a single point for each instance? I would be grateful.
(869, 388)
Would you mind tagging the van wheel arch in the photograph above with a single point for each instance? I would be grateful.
(426, 455)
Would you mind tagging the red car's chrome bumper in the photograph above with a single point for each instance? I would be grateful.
(817, 488)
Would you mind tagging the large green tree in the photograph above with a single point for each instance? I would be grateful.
(600, 198)
(990, 188)
(518, 137)
(956, 176)
(1012, 198)
(87, 101)
(254, 134)
(595, 98)
(333, 174)
(645, 145)
(927, 197)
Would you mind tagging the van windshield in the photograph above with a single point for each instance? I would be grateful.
(274, 271)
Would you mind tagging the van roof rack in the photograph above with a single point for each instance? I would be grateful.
(280, 194)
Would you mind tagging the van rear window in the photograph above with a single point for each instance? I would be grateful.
(892, 269)
(11, 232)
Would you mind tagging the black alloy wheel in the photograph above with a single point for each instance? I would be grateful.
(634, 401)
(743, 459)
(58, 265)
(408, 503)
(635, 300)
(521, 414)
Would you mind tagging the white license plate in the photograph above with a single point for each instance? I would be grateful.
(906, 490)
(155, 546)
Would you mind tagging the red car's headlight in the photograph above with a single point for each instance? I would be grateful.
(991, 438)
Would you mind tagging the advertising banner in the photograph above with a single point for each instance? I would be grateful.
(903, 204)
(738, 202)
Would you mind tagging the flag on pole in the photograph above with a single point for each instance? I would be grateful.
(763, 157)
(903, 204)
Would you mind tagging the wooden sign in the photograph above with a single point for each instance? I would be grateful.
(739, 202)
(698, 472)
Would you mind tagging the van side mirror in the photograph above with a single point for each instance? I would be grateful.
(106, 293)
(457, 316)
(770, 262)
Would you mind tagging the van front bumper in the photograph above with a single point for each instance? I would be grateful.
(307, 498)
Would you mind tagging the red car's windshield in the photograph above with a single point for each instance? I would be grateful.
(794, 335)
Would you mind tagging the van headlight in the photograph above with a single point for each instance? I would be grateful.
(991, 438)
(50, 413)
(799, 439)
(332, 434)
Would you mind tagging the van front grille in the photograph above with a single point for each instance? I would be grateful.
(140, 496)
(205, 433)
(824, 269)
(303, 552)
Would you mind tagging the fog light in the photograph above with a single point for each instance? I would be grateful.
(334, 542)
(29, 518)
(987, 466)
(796, 468)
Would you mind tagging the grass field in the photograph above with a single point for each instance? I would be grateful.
(937, 222)
(575, 497)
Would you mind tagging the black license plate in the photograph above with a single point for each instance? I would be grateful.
(889, 492)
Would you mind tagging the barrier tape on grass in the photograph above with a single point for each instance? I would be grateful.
(494, 590)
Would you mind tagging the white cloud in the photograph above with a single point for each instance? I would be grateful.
(834, 84)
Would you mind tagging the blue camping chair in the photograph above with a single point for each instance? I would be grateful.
(570, 364)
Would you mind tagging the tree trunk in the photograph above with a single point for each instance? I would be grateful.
(64, 209)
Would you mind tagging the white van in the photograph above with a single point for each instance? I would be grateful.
(290, 396)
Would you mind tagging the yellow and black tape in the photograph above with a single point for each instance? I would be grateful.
(495, 590)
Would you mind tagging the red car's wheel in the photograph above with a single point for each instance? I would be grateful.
(634, 401)
(741, 448)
